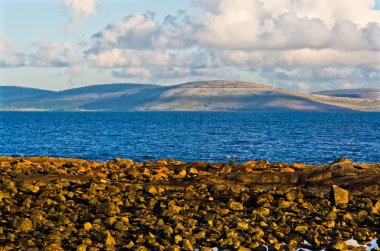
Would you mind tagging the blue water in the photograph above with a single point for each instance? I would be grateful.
(309, 137)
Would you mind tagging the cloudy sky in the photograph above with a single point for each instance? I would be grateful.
(304, 45)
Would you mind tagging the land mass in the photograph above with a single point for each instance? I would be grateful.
(73, 204)
(218, 95)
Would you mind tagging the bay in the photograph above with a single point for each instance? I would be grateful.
(307, 137)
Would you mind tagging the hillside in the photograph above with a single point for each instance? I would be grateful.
(17, 94)
(232, 95)
(195, 96)
(72, 99)
(372, 94)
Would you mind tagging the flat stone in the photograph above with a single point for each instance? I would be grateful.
(340, 195)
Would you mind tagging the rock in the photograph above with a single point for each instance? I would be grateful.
(237, 206)
(263, 211)
(23, 225)
(347, 216)
(152, 190)
(81, 247)
(132, 173)
(225, 169)
(161, 177)
(193, 171)
(331, 216)
(162, 162)
(177, 239)
(343, 161)
(376, 207)
(200, 235)
(113, 189)
(299, 166)
(101, 175)
(337, 245)
(181, 174)
(284, 204)
(301, 228)
(340, 195)
(174, 248)
(109, 240)
(174, 208)
(250, 163)
(362, 166)
(87, 226)
(262, 164)
(97, 187)
(191, 206)
(54, 247)
(31, 188)
(287, 170)
(241, 225)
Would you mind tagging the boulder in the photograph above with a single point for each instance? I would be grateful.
(376, 207)
(340, 195)
(23, 225)
(337, 245)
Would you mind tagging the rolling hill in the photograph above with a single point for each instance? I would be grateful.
(218, 95)
(371, 94)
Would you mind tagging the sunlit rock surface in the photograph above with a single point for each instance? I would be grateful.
(72, 204)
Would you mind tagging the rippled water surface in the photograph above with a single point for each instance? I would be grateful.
(310, 137)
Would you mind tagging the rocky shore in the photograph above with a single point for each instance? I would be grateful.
(73, 204)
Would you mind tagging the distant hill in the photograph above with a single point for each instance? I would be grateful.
(16, 94)
(218, 95)
(72, 99)
(372, 94)
(232, 95)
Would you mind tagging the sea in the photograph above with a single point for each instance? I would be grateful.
(294, 136)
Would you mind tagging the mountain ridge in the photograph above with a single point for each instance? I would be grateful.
(214, 95)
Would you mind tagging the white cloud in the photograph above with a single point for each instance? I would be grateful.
(291, 43)
(10, 57)
(80, 9)
(322, 78)
(287, 24)
(54, 55)
(300, 58)
(141, 31)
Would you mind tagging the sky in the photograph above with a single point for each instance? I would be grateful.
(302, 45)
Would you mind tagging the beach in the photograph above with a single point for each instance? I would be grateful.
(75, 204)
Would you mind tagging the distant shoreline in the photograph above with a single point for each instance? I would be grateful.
(213, 95)
(238, 111)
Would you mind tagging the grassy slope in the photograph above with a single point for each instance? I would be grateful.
(204, 95)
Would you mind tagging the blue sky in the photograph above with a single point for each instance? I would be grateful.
(60, 44)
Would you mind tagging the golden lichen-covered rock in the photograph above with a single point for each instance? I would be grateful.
(237, 206)
(108, 239)
(241, 225)
(340, 195)
(376, 207)
(301, 166)
(152, 190)
(87, 226)
(164, 205)
(53, 247)
(250, 163)
(23, 225)
(343, 161)
(287, 170)
(182, 174)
